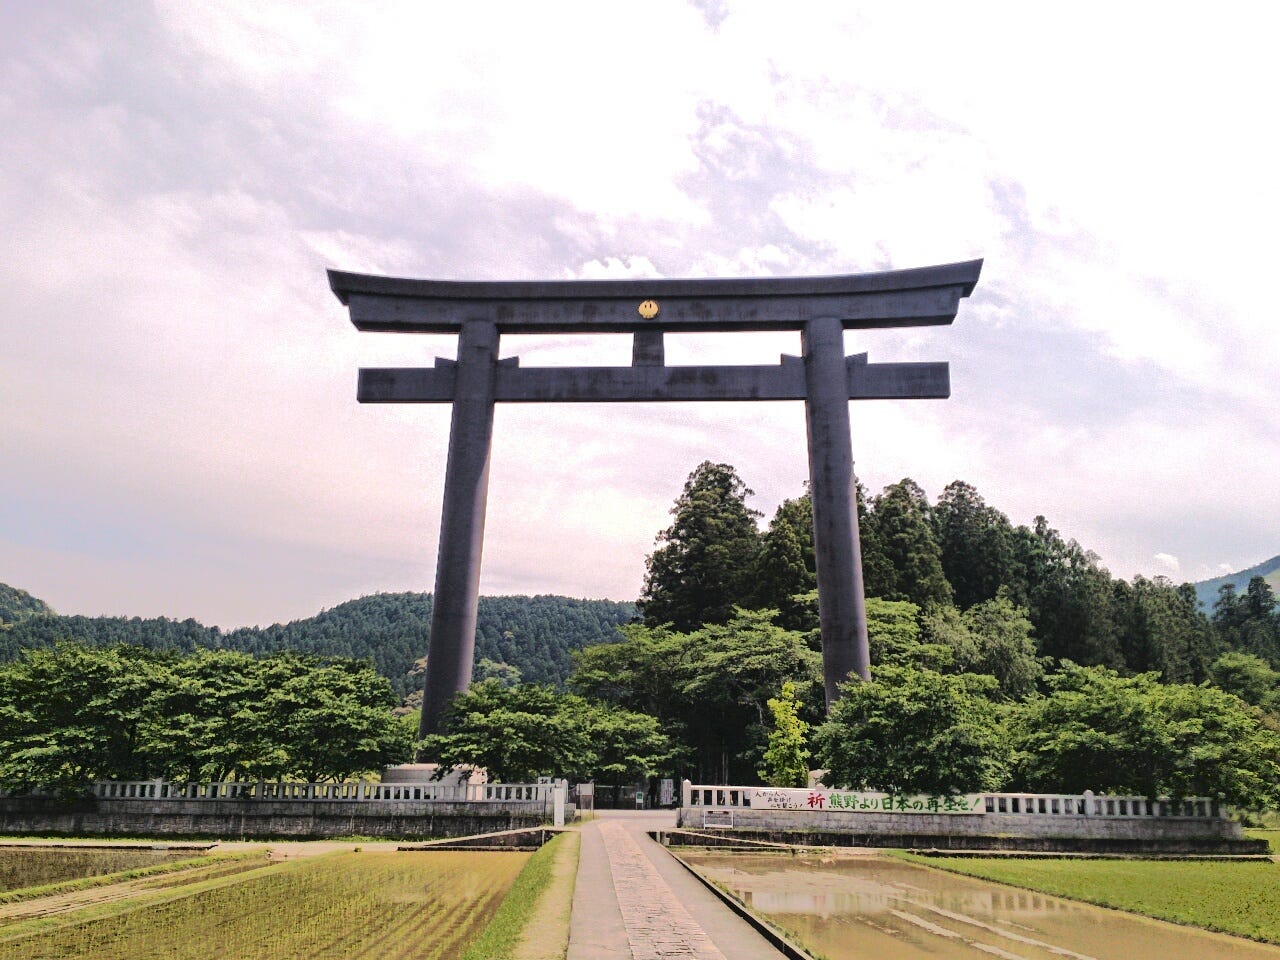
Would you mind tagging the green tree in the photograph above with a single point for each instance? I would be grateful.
(893, 633)
(786, 569)
(1250, 678)
(1067, 595)
(520, 733)
(1105, 732)
(899, 524)
(205, 723)
(708, 687)
(515, 733)
(1160, 627)
(786, 759)
(71, 715)
(976, 544)
(913, 730)
(1250, 622)
(621, 746)
(504, 673)
(993, 637)
(331, 719)
(703, 568)
(878, 575)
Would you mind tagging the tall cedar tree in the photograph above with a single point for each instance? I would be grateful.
(786, 569)
(900, 525)
(708, 554)
(976, 542)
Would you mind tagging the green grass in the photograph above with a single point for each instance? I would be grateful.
(1271, 835)
(1241, 898)
(502, 936)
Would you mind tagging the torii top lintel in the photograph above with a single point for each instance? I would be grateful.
(896, 298)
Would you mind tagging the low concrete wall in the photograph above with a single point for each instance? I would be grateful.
(265, 819)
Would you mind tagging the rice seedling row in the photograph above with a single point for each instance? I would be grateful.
(388, 905)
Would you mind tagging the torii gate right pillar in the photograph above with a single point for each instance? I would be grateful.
(842, 608)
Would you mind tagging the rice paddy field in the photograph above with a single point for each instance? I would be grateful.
(40, 866)
(1241, 898)
(388, 905)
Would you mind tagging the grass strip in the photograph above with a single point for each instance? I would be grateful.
(1269, 834)
(1240, 898)
(524, 905)
(106, 879)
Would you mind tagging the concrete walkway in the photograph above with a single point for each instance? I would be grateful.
(634, 902)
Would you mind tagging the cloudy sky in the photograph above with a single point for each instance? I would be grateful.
(178, 427)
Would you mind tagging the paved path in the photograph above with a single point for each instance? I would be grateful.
(634, 902)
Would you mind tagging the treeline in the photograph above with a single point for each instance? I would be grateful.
(953, 706)
(1003, 657)
(72, 714)
(956, 552)
(535, 635)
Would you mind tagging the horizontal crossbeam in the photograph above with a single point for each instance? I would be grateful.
(896, 298)
(784, 381)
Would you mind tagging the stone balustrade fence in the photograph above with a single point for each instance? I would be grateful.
(1088, 804)
(349, 791)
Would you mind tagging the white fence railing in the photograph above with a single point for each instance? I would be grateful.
(354, 791)
(974, 804)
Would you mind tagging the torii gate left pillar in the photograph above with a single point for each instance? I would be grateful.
(821, 308)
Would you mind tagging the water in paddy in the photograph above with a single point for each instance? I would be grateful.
(868, 908)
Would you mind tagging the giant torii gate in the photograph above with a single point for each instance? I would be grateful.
(821, 308)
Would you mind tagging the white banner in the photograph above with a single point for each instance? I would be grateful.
(782, 798)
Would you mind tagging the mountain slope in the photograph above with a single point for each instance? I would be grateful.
(17, 605)
(534, 634)
(1207, 590)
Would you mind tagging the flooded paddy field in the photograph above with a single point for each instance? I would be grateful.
(855, 907)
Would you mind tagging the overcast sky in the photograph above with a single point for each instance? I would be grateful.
(179, 433)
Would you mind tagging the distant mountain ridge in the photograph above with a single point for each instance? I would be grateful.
(1207, 590)
(534, 634)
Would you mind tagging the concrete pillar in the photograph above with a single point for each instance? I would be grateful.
(841, 607)
(466, 489)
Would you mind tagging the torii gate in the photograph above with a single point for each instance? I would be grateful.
(821, 308)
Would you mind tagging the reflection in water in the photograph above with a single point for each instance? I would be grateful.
(860, 907)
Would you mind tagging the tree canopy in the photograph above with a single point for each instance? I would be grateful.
(522, 732)
(70, 715)
(913, 730)
(1102, 731)
(703, 567)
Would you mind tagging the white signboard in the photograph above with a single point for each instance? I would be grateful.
(667, 792)
(781, 798)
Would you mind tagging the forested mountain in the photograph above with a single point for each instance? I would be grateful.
(533, 634)
(1268, 570)
(17, 605)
